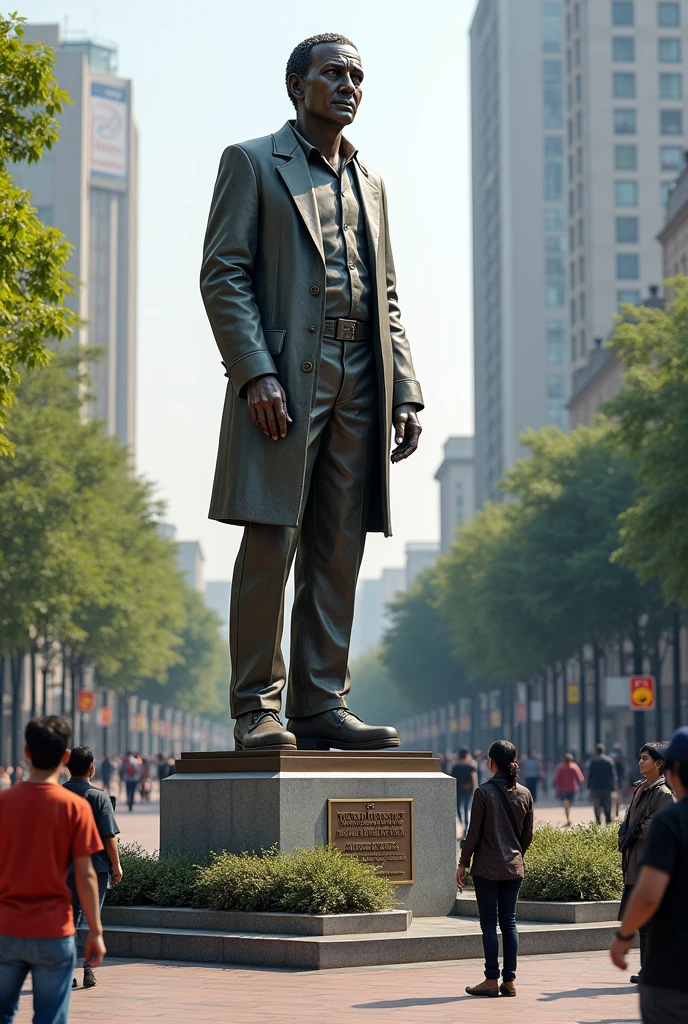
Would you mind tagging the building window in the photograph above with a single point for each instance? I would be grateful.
(568, 60)
(557, 395)
(631, 295)
(572, 203)
(622, 12)
(665, 190)
(572, 315)
(624, 121)
(572, 239)
(581, 233)
(669, 51)
(458, 499)
(583, 346)
(570, 130)
(581, 269)
(552, 94)
(623, 48)
(670, 86)
(627, 266)
(671, 122)
(572, 275)
(581, 305)
(626, 193)
(579, 124)
(623, 83)
(625, 158)
(580, 196)
(573, 348)
(571, 170)
(554, 169)
(577, 52)
(569, 94)
(556, 342)
(555, 243)
(579, 160)
(552, 26)
(670, 158)
(668, 15)
(555, 280)
(627, 229)
(579, 89)
(555, 219)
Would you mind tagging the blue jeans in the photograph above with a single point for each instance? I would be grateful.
(103, 883)
(463, 804)
(51, 963)
(497, 902)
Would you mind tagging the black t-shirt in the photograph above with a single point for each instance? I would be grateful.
(463, 773)
(666, 848)
(101, 805)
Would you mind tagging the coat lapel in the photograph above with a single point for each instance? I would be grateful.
(370, 200)
(297, 178)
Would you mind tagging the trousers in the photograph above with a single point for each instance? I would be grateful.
(341, 468)
(51, 965)
(497, 903)
(602, 804)
(103, 882)
(663, 1005)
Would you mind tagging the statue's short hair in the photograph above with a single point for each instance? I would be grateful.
(300, 59)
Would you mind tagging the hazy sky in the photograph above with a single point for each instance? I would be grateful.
(212, 73)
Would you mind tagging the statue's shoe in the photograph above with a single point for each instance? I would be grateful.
(341, 729)
(262, 730)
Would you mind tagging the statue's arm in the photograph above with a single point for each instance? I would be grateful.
(229, 253)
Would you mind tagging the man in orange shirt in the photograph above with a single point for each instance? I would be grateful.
(43, 828)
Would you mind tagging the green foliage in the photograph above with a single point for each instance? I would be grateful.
(319, 881)
(33, 281)
(581, 863)
(652, 414)
(417, 649)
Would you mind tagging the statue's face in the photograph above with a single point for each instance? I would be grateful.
(332, 89)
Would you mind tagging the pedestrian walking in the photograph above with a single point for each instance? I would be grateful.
(567, 779)
(465, 771)
(651, 794)
(499, 834)
(531, 773)
(602, 782)
(81, 769)
(659, 901)
(131, 773)
(43, 828)
(106, 773)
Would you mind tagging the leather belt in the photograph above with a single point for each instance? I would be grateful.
(346, 330)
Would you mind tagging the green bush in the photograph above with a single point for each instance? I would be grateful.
(580, 863)
(320, 881)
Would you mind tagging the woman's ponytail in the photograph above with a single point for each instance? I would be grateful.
(505, 756)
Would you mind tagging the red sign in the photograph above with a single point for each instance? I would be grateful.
(642, 693)
(86, 700)
(520, 712)
(105, 716)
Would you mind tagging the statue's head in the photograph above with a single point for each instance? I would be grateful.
(325, 78)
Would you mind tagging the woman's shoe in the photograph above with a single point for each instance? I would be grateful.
(508, 988)
(489, 987)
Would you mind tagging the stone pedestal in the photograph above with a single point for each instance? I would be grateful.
(246, 800)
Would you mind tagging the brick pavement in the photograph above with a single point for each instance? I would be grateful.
(573, 989)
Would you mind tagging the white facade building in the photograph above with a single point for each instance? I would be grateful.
(456, 478)
(519, 229)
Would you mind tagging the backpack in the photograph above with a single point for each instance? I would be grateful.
(132, 769)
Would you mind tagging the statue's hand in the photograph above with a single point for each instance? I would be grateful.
(407, 430)
(267, 403)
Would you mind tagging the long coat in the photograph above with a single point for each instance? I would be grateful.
(263, 283)
(642, 808)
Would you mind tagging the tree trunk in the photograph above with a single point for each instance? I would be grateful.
(44, 696)
(597, 710)
(33, 680)
(639, 724)
(528, 731)
(581, 707)
(564, 708)
(63, 685)
(656, 663)
(17, 671)
(545, 717)
(3, 760)
(677, 667)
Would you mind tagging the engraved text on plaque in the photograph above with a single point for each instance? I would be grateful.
(379, 832)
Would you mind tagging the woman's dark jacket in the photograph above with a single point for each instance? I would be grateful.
(491, 840)
(633, 832)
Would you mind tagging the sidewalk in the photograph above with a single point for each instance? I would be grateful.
(573, 989)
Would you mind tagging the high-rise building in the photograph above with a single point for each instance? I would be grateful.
(371, 618)
(216, 596)
(420, 555)
(456, 478)
(519, 228)
(86, 186)
(625, 137)
(190, 561)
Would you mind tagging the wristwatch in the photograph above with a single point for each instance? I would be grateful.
(625, 938)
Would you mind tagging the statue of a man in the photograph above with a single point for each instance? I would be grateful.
(299, 285)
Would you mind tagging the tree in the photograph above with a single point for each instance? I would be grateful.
(652, 413)
(33, 280)
(374, 695)
(417, 649)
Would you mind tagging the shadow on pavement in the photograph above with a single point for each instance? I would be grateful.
(588, 993)
(393, 1004)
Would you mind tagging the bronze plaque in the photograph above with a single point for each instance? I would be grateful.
(379, 832)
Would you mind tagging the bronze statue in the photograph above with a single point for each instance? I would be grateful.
(299, 285)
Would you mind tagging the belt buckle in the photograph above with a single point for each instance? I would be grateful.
(346, 330)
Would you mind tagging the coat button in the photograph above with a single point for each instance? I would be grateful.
(313, 328)
(315, 290)
(307, 367)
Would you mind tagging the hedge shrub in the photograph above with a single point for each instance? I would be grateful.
(319, 881)
(579, 863)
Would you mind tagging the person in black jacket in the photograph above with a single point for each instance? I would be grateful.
(602, 782)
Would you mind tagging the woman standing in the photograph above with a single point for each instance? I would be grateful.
(499, 834)
(650, 794)
(567, 779)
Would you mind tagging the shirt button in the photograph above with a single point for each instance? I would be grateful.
(307, 367)
(312, 329)
(352, 266)
(315, 290)
(346, 227)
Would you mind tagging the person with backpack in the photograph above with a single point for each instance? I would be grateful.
(131, 773)
(499, 834)
(465, 771)
(650, 795)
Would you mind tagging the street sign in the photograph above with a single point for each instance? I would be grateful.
(520, 712)
(642, 693)
(85, 700)
(105, 717)
(495, 718)
(140, 723)
(573, 693)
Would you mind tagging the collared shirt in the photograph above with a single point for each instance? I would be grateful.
(343, 228)
(104, 817)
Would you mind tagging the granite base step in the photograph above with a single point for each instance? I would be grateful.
(426, 940)
(555, 912)
(187, 919)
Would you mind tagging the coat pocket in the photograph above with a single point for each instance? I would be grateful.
(274, 341)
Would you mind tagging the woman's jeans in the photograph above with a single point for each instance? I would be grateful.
(497, 902)
(51, 963)
(463, 804)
